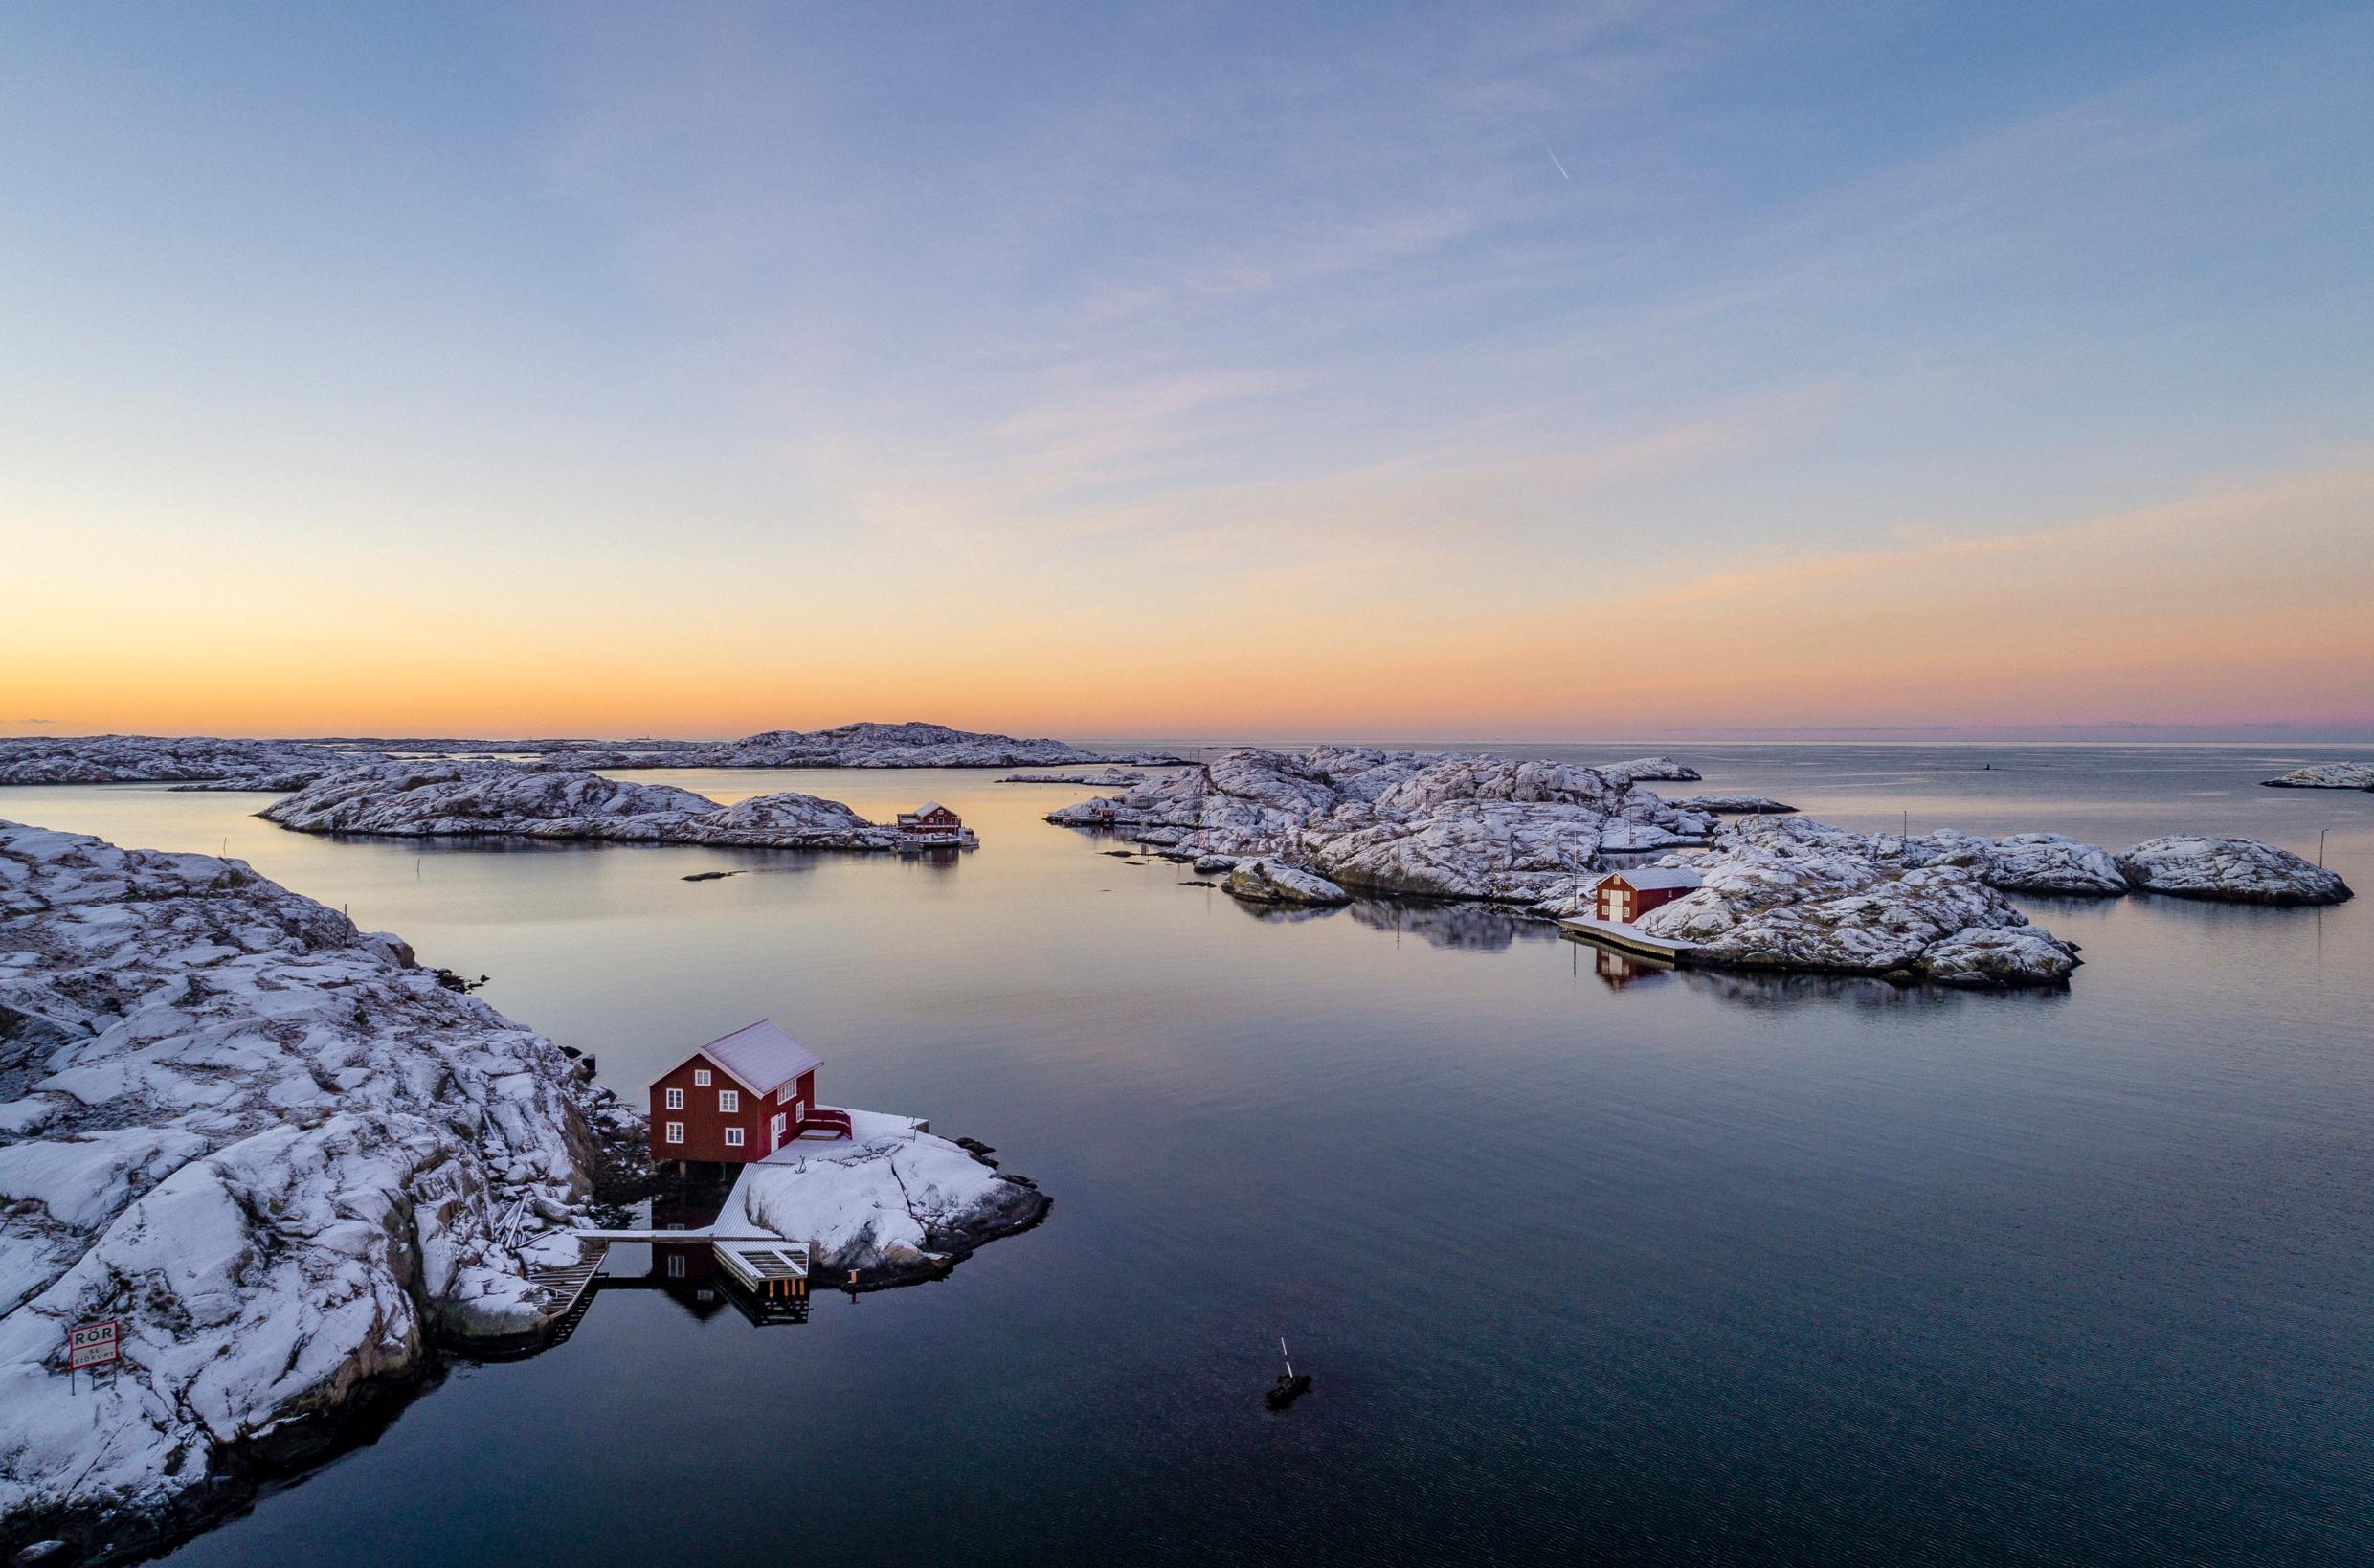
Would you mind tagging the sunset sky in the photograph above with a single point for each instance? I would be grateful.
(1166, 371)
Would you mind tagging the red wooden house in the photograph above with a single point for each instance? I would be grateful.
(931, 820)
(1623, 897)
(739, 1098)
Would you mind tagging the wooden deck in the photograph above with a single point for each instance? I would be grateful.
(567, 1292)
(1626, 939)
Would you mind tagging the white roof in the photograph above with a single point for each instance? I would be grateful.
(929, 807)
(1645, 877)
(761, 1057)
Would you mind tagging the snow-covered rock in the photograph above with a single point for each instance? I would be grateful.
(2022, 863)
(131, 759)
(429, 799)
(1274, 881)
(1734, 805)
(1822, 899)
(1452, 825)
(268, 1147)
(900, 746)
(2229, 871)
(1650, 769)
(2326, 776)
(893, 1198)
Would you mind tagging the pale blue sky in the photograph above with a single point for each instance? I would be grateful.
(1152, 325)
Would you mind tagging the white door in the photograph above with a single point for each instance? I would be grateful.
(1620, 904)
(775, 1128)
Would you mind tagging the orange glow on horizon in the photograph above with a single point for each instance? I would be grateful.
(2244, 607)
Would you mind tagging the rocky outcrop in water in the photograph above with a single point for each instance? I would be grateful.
(441, 800)
(1453, 825)
(2230, 872)
(2326, 776)
(893, 1202)
(1650, 770)
(264, 1142)
(2021, 862)
(1734, 805)
(1274, 881)
(1785, 893)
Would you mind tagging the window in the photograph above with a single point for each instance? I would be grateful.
(783, 1096)
(675, 1131)
(676, 1266)
(734, 1137)
(729, 1101)
(700, 1078)
(675, 1099)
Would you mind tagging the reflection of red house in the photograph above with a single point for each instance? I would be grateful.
(1624, 896)
(739, 1098)
(931, 820)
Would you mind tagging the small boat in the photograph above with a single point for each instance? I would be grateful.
(1292, 1385)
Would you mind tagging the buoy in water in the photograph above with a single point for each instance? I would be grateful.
(1292, 1385)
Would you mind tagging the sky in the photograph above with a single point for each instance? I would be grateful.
(1470, 371)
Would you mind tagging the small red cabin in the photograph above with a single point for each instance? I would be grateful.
(1624, 896)
(931, 820)
(739, 1098)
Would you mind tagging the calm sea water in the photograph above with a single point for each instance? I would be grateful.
(1682, 1268)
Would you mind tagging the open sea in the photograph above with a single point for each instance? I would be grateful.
(1588, 1262)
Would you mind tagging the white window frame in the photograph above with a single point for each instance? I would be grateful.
(675, 1131)
(675, 1099)
(729, 1102)
(783, 1096)
(775, 1129)
(734, 1137)
(700, 1078)
(676, 1266)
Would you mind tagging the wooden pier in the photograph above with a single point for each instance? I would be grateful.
(1627, 939)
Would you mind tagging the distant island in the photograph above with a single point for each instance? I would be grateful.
(1765, 890)
(211, 762)
(2326, 776)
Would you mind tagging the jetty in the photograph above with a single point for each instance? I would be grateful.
(1621, 936)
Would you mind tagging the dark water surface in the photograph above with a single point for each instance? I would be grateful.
(1691, 1268)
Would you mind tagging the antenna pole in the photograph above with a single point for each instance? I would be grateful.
(1283, 1356)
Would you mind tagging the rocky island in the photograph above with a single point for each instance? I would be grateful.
(2229, 871)
(1448, 825)
(172, 759)
(449, 799)
(2326, 776)
(1779, 891)
(295, 1165)
(205, 762)
(909, 744)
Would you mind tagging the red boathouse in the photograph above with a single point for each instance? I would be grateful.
(1623, 897)
(931, 820)
(740, 1098)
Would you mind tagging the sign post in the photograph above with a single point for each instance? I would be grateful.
(91, 1345)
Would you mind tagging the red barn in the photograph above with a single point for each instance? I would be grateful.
(1624, 896)
(931, 820)
(739, 1098)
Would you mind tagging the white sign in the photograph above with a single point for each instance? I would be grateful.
(91, 1344)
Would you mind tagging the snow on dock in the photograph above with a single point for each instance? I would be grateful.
(1626, 938)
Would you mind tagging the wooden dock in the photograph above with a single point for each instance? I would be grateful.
(567, 1291)
(1627, 939)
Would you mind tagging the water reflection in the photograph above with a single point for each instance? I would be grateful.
(1471, 927)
